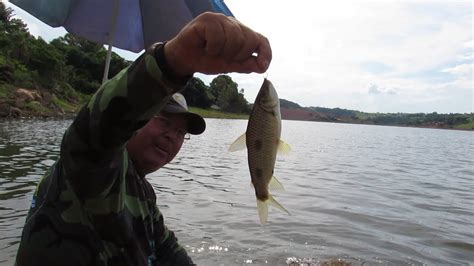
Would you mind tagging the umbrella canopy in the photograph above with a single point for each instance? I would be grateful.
(135, 24)
(127, 24)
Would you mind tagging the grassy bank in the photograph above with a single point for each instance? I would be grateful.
(209, 113)
(467, 126)
(5, 91)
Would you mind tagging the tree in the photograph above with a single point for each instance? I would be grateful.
(48, 62)
(14, 50)
(227, 96)
(5, 13)
(87, 60)
(198, 94)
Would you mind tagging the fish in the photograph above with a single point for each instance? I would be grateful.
(262, 141)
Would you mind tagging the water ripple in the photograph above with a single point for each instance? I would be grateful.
(358, 195)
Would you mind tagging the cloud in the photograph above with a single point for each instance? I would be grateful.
(374, 67)
(374, 89)
(467, 52)
(327, 53)
(464, 70)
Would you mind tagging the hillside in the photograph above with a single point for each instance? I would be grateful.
(293, 111)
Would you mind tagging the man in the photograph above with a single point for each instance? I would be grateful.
(95, 206)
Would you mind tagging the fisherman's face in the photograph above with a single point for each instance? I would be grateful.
(158, 142)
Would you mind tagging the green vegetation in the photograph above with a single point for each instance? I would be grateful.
(434, 120)
(64, 105)
(290, 105)
(227, 96)
(418, 119)
(37, 108)
(337, 112)
(29, 62)
(468, 125)
(222, 94)
(61, 75)
(6, 90)
(209, 113)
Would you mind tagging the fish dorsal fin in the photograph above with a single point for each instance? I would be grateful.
(239, 144)
(275, 185)
(283, 148)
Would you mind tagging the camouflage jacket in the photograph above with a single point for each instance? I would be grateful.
(93, 207)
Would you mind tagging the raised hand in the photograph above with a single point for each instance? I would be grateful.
(214, 43)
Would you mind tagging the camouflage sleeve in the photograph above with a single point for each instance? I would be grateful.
(168, 250)
(93, 147)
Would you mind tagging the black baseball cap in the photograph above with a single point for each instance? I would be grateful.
(177, 105)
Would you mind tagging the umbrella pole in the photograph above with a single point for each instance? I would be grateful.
(111, 39)
(107, 64)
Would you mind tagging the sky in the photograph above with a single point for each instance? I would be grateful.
(372, 56)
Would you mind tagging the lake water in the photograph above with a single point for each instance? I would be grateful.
(359, 194)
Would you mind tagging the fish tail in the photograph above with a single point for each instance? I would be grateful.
(272, 201)
(263, 208)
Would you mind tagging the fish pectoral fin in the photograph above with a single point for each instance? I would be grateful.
(283, 148)
(239, 144)
(272, 201)
(275, 184)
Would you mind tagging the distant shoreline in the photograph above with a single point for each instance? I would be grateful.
(405, 126)
(213, 114)
(19, 103)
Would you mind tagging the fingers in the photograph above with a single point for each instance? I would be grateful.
(214, 43)
(215, 37)
(235, 38)
(224, 36)
(224, 66)
(264, 52)
(256, 50)
(228, 38)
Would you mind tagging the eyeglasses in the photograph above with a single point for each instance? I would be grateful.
(166, 126)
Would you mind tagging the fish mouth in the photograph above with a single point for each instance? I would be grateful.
(267, 98)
